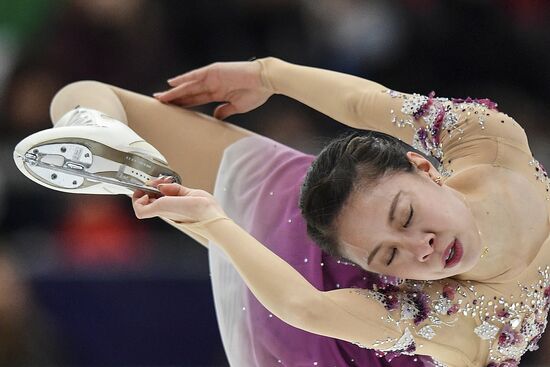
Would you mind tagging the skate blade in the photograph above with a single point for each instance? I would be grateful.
(76, 163)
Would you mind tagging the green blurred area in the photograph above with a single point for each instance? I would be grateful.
(21, 19)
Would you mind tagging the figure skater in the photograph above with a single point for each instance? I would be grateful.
(461, 251)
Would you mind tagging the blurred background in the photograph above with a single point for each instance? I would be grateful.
(82, 281)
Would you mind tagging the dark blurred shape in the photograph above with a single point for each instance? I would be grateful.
(133, 321)
(27, 337)
(27, 99)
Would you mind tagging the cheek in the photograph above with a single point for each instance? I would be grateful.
(440, 208)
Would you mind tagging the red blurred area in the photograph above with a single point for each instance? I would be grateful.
(98, 232)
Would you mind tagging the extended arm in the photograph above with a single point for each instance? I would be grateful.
(354, 101)
(280, 288)
(243, 86)
(347, 314)
(463, 131)
(354, 315)
(447, 129)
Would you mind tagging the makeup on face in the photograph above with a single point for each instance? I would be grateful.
(452, 254)
(406, 208)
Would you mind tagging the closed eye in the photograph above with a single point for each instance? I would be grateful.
(393, 253)
(410, 217)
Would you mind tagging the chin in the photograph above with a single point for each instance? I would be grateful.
(427, 277)
(470, 262)
(445, 273)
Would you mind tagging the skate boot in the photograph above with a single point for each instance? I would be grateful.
(88, 152)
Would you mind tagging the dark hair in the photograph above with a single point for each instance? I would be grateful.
(352, 161)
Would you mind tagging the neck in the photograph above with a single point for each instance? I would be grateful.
(479, 271)
(485, 252)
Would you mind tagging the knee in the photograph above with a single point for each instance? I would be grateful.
(75, 88)
(74, 94)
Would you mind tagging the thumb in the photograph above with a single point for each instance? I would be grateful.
(173, 189)
(225, 110)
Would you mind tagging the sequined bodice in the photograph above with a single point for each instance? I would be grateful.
(511, 324)
(507, 319)
(468, 322)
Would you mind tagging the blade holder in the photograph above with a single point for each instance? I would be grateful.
(55, 163)
(67, 165)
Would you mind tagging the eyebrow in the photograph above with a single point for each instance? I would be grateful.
(391, 217)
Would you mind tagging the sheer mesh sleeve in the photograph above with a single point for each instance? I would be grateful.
(459, 133)
(466, 131)
(458, 323)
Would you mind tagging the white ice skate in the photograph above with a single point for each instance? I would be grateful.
(88, 152)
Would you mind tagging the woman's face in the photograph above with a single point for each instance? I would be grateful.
(410, 226)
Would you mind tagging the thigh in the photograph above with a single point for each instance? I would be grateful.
(192, 143)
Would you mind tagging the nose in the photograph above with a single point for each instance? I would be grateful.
(422, 247)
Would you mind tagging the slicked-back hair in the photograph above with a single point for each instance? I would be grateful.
(352, 161)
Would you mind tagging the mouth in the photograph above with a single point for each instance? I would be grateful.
(452, 254)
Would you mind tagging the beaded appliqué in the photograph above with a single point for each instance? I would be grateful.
(412, 304)
(513, 326)
(439, 114)
(541, 175)
(404, 345)
(442, 114)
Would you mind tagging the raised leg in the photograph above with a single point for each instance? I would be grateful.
(192, 143)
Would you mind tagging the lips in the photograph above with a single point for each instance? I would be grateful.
(452, 254)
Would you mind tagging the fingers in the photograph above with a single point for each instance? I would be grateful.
(168, 206)
(182, 209)
(139, 202)
(159, 180)
(179, 203)
(191, 101)
(143, 208)
(190, 88)
(173, 190)
(137, 194)
(196, 74)
(143, 198)
(225, 110)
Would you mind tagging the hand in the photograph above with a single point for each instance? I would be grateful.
(237, 84)
(179, 203)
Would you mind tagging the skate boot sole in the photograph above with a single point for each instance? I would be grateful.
(81, 165)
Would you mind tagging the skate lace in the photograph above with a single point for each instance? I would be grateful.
(82, 117)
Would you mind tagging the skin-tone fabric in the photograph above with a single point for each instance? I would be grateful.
(488, 315)
(258, 186)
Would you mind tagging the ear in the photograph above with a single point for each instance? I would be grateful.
(423, 165)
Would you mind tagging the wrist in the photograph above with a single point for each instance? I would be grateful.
(205, 228)
(267, 64)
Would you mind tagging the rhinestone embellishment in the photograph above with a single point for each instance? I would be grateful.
(486, 330)
(405, 344)
(427, 332)
(513, 324)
